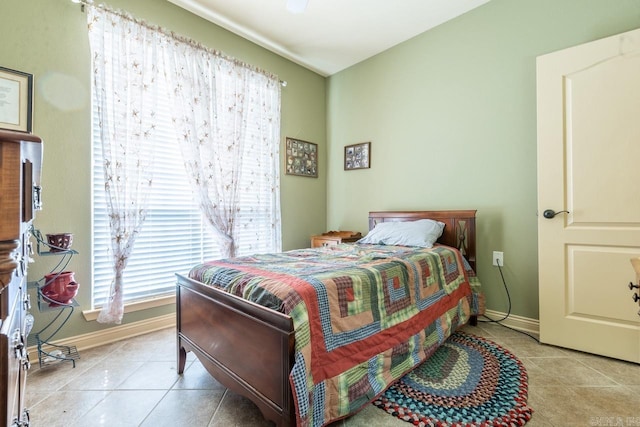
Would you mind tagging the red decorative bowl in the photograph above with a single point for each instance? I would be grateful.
(60, 287)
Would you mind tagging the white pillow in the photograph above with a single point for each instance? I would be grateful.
(422, 233)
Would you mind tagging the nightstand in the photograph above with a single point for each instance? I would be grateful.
(332, 238)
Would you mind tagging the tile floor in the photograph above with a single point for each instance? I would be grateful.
(135, 383)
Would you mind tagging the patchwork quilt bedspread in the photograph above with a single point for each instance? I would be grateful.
(364, 315)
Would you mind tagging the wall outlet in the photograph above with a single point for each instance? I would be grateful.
(498, 258)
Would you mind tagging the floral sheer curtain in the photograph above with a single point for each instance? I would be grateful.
(227, 116)
(125, 59)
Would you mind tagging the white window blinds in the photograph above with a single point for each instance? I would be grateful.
(173, 237)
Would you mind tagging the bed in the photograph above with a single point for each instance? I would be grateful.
(258, 352)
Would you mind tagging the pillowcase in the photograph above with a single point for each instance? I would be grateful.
(422, 233)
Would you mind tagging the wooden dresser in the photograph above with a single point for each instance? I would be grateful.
(331, 238)
(20, 166)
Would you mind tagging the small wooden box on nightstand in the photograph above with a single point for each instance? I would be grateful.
(332, 238)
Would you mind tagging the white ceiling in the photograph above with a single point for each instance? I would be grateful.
(329, 35)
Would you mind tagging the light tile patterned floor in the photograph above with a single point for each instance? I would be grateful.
(135, 383)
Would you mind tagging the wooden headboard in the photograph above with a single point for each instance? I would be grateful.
(459, 230)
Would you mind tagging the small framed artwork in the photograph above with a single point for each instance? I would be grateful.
(16, 91)
(357, 156)
(301, 158)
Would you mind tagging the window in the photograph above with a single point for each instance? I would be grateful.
(174, 236)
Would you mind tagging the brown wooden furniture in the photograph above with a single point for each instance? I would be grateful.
(20, 165)
(331, 238)
(228, 333)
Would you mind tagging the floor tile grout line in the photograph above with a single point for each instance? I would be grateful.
(600, 372)
(215, 412)
(166, 393)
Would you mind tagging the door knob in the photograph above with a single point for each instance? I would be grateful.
(550, 213)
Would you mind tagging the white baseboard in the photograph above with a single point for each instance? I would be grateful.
(129, 330)
(116, 333)
(525, 324)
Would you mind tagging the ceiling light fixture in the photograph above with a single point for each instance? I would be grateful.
(297, 6)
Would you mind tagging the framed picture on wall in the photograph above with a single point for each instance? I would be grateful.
(357, 156)
(301, 158)
(16, 91)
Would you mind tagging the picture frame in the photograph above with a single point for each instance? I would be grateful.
(301, 158)
(357, 156)
(16, 95)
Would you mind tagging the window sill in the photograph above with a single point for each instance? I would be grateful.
(91, 315)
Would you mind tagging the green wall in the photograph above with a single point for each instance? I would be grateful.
(451, 116)
(48, 38)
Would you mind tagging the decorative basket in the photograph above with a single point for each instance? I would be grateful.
(59, 242)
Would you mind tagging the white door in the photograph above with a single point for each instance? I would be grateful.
(589, 165)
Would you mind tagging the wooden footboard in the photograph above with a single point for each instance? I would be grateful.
(246, 347)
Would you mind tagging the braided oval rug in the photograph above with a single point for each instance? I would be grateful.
(468, 382)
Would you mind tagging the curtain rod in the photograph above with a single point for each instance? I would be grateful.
(177, 37)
